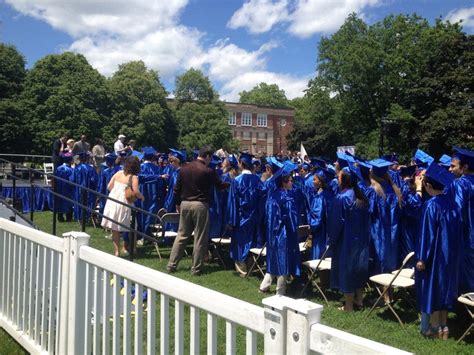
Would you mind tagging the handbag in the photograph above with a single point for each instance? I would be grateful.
(129, 194)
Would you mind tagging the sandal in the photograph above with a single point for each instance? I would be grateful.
(444, 332)
(433, 333)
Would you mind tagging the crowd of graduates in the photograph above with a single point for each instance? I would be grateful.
(366, 215)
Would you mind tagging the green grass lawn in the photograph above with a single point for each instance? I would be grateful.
(381, 326)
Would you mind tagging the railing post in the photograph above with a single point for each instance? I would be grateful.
(301, 315)
(275, 325)
(32, 196)
(14, 184)
(133, 234)
(84, 209)
(75, 297)
(55, 203)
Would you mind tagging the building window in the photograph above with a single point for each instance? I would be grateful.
(246, 119)
(232, 119)
(262, 120)
(247, 135)
(261, 136)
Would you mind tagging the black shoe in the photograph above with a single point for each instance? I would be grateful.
(170, 270)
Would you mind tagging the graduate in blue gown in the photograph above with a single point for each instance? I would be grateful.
(411, 212)
(105, 177)
(230, 170)
(149, 180)
(439, 251)
(216, 209)
(385, 201)
(63, 206)
(318, 213)
(462, 166)
(244, 212)
(349, 239)
(85, 175)
(176, 158)
(283, 254)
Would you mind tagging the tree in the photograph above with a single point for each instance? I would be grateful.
(266, 95)
(139, 108)
(63, 92)
(12, 71)
(202, 119)
(194, 86)
(14, 135)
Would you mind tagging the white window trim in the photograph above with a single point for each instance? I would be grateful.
(242, 119)
(262, 117)
(232, 119)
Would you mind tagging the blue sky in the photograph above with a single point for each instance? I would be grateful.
(236, 43)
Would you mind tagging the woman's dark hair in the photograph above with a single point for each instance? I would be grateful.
(99, 141)
(322, 181)
(131, 165)
(436, 185)
(245, 165)
(283, 180)
(348, 182)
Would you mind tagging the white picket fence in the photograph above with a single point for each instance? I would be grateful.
(60, 296)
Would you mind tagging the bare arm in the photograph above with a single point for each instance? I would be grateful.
(136, 189)
(110, 186)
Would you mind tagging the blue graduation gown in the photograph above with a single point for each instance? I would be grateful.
(104, 179)
(283, 254)
(244, 215)
(170, 201)
(149, 180)
(409, 221)
(384, 219)
(62, 206)
(463, 189)
(216, 211)
(84, 175)
(349, 240)
(334, 185)
(318, 216)
(440, 249)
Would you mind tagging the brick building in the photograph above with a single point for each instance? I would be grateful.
(260, 129)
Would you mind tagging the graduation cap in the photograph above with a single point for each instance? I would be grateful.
(233, 161)
(274, 163)
(180, 154)
(380, 166)
(342, 159)
(215, 161)
(407, 171)
(464, 155)
(331, 169)
(364, 168)
(148, 152)
(289, 166)
(445, 160)
(246, 158)
(286, 169)
(355, 172)
(137, 154)
(163, 157)
(66, 157)
(110, 157)
(305, 166)
(422, 158)
(256, 161)
(391, 157)
(439, 175)
(318, 163)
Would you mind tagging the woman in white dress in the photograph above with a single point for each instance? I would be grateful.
(118, 213)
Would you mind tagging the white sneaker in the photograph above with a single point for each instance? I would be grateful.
(108, 236)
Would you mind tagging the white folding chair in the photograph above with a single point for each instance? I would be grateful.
(220, 244)
(48, 168)
(315, 267)
(468, 301)
(395, 280)
(163, 233)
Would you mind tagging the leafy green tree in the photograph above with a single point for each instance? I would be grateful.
(14, 135)
(63, 92)
(139, 108)
(266, 95)
(194, 86)
(12, 71)
(202, 119)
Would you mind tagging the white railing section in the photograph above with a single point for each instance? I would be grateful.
(31, 265)
(59, 296)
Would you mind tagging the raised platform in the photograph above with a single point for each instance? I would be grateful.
(7, 213)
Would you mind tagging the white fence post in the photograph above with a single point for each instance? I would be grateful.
(275, 324)
(301, 315)
(77, 275)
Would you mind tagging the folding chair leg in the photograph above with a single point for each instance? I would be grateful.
(395, 314)
(378, 299)
(260, 269)
(468, 330)
(157, 250)
(219, 256)
(249, 271)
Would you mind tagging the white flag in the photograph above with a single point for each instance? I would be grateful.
(303, 154)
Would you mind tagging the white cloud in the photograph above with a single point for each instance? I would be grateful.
(292, 85)
(85, 17)
(464, 14)
(259, 16)
(109, 33)
(305, 17)
(166, 50)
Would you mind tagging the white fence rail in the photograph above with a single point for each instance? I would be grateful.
(59, 296)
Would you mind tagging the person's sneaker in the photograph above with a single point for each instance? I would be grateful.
(140, 242)
(170, 270)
